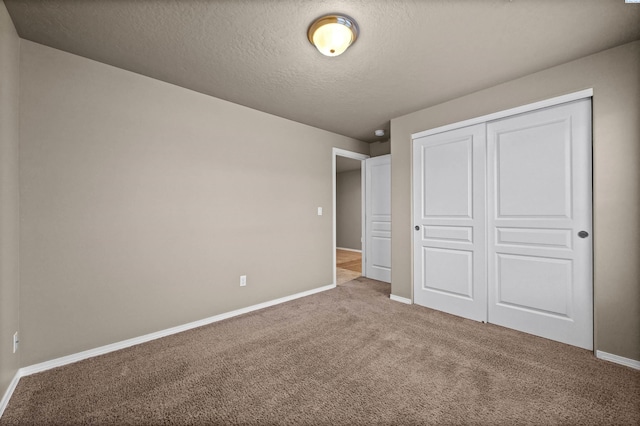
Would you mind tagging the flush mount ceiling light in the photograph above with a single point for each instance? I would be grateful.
(333, 34)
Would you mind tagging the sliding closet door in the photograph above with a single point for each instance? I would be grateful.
(449, 221)
(539, 223)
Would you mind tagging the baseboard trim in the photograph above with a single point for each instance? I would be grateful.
(618, 359)
(69, 359)
(347, 249)
(9, 392)
(401, 299)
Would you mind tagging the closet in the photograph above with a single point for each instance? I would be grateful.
(502, 214)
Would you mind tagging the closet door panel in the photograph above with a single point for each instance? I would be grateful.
(539, 199)
(449, 228)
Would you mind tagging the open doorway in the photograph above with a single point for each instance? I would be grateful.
(348, 215)
(349, 236)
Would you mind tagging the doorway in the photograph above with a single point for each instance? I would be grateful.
(348, 214)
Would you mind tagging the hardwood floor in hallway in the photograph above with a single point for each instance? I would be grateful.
(351, 260)
(348, 265)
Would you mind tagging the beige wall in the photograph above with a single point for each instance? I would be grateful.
(377, 149)
(614, 76)
(9, 199)
(349, 209)
(142, 204)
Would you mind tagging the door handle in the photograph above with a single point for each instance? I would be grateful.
(417, 228)
(583, 234)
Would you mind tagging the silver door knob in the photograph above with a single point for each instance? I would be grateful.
(583, 234)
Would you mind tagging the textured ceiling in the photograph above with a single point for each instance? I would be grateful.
(409, 55)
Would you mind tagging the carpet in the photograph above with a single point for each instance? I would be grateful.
(347, 356)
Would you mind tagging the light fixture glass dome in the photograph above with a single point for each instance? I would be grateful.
(333, 34)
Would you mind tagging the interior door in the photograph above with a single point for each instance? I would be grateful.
(539, 223)
(449, 220)
(378, 218)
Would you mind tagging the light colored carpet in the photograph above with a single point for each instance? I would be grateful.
(348, 356)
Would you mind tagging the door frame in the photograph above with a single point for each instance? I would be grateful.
(582, 94)
(337, 152)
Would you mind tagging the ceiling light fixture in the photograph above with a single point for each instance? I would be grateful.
(333, 34)
(379, 133)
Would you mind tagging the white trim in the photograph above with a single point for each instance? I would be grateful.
(356, 156)
(7, 395)
(348, 249)
(401, 299)
(58, 362)
(618, 359)
(587, 93)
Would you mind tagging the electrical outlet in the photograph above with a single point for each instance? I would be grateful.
(15, 342)
(243, 280)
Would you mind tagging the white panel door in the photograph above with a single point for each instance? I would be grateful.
(539, 192)
(378, 218)
(449, 221)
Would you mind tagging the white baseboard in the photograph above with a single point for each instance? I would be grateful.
(618, 359)
(69, 359)
(400, 299)
(347, 249)
(7, 395)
